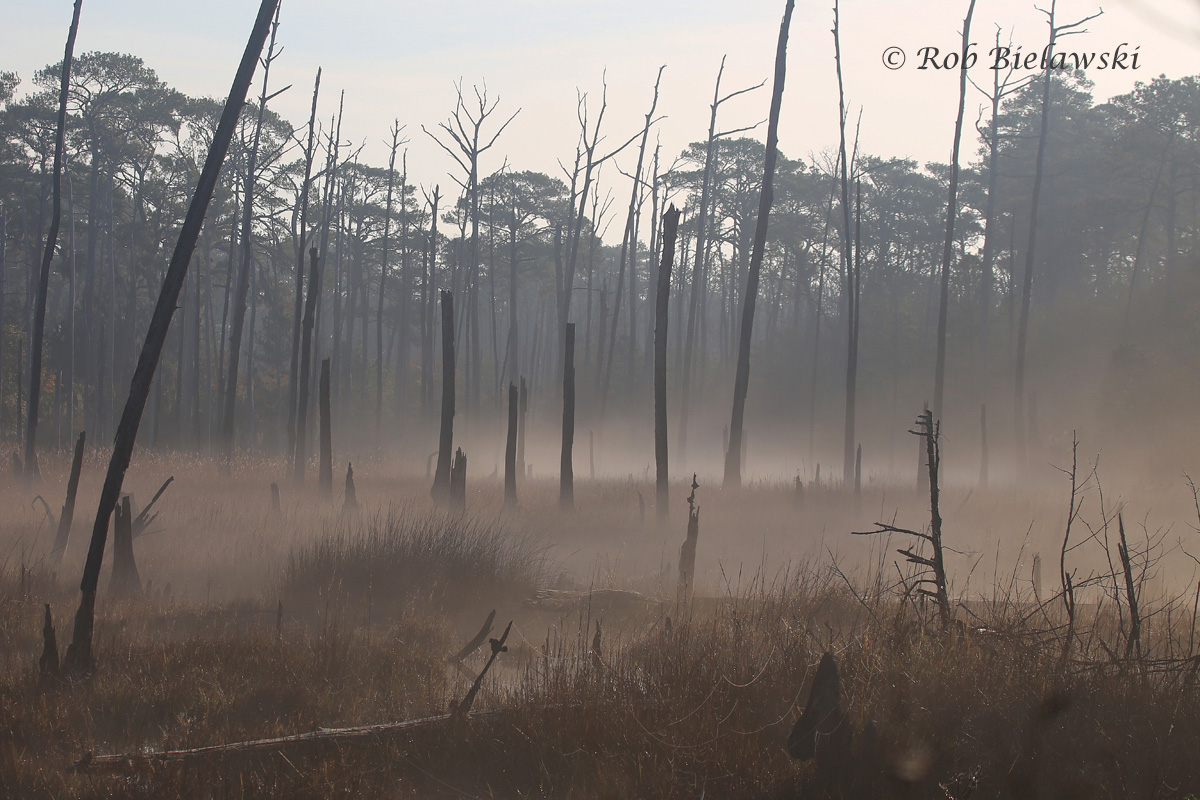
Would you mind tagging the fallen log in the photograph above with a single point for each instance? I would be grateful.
(133, 762)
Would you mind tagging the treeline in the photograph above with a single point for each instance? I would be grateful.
(1114, 277)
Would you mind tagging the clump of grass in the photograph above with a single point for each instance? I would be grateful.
(392, 560)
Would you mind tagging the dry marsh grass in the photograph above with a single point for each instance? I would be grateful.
(697, 706)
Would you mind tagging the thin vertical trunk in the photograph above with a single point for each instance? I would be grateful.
(848, 441)
(39, 319)
(301, 239)
(733, 455)
(670, 228)
(300, 454)
(387, 223)
(325, 474)
(510, 449)
(441, 478)
(939, 374)
(566, 475)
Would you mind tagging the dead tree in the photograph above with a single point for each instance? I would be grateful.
(48, 663)
(144, 518)
(300, 454)
(929, 432)
(566, 474)
(39, 313)
(383, 270)
(983, 447)
(698, 261)
(79, 654)
(458, 482)
(687, 553)
(522, 412)
(1134, 642)
(510, 449)
(628, 242)
(125, 580)
(350, 503)
(662, 299)
(228, 416)
(939, 372)
(63, 535)
(301, 237)
(441, 477)
(1056, 32)
(741, 382)
(325, 475)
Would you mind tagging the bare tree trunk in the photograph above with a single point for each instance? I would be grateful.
(848, 440)
(733, 456)
(524, 409)
(301, 239)
(566, 475)
(79, 654)
(243, 287)
(300, 454)
(939, 374)
(325, 475)
(63, 535)
(441, 478)
(39, 320)
(662, 299)
(983, 450)
(510, 449)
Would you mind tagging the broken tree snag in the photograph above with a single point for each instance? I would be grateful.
(68, 510)
(823, 729)
(460, 710)
(983, 449)
(687, 553)
(566, 474)
(922, 459)
(662, 298)
(79, 654)
(325, 481)
(441, 476)
(510, 449)
(48, 663)
(39, 314)
(471, 646)
(522, 411)
(143, 520)
(457, 497)
(125, 579)
(350, 504)
(275, 498)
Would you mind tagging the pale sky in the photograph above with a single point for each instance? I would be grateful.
(400, 60)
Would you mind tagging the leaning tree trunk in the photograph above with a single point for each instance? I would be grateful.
(733, 456)
(79, 654)
(441, 478)
(566, 475)
(63, 535)
(662, 298)
(39, 314)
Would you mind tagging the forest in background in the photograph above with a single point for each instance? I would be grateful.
(1111, 325)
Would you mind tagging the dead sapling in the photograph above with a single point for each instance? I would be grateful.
(461, 709)
(934, 564)
(144, 519)
(473, 645)
(1134, 643)
(687, 553)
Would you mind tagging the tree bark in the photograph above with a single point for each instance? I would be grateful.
(733, 456)
(79, 654)
(662, 299)
(441, 477)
